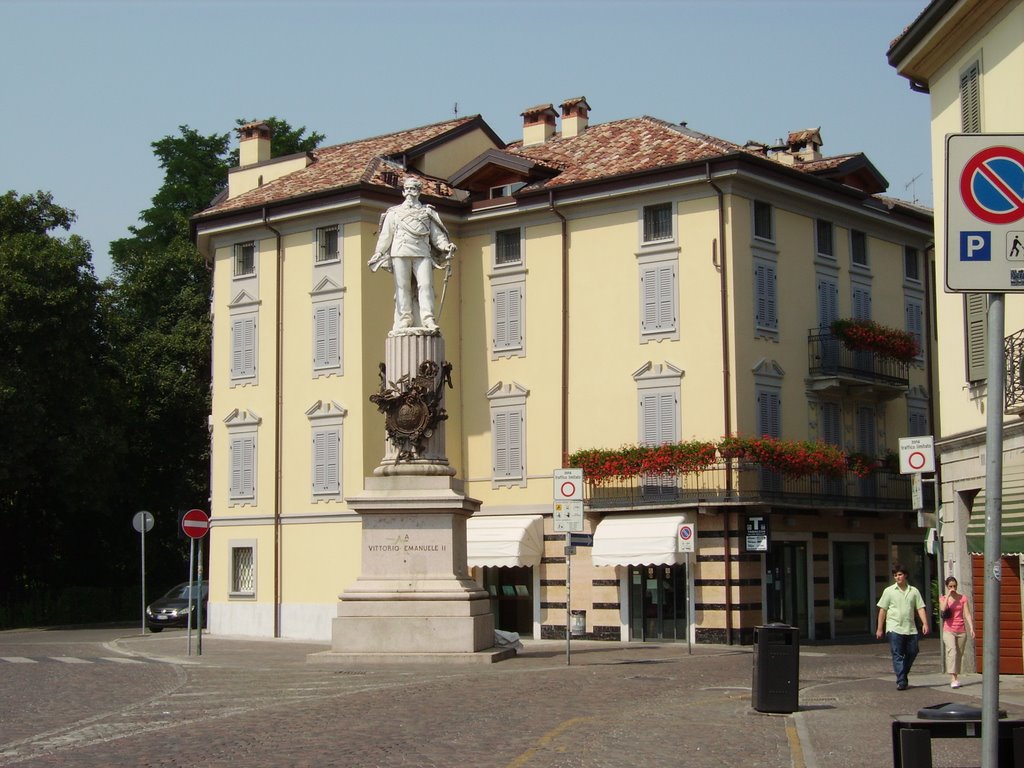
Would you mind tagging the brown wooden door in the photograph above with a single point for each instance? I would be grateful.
(1011, 653)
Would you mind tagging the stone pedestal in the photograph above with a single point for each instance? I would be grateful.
(414, 600)
(403, 356)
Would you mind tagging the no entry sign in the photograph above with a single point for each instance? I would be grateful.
(195, 523)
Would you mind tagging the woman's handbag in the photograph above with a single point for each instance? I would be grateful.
(947, 613)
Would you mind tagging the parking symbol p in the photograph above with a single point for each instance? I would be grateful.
(975, 246)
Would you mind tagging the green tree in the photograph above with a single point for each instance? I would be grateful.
(59, 438)
(159, 317)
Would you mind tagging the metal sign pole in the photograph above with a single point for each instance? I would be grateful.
(199, 609)
(142, 533)
(689, 643)
(191, 565)
(993, 531)
(568, 600)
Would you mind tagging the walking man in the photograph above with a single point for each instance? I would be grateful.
(896, 608)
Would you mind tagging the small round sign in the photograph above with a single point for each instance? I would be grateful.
(568, 489)
(917, 460)
(195, 523)
(685, 532)
(143, 521)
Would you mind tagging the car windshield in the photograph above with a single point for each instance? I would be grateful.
(181, 592)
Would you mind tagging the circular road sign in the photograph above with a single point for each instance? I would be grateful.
(568, 489)
(992, 185)
(143, 521)
(917, 460)
(195, 523)
(685, 532)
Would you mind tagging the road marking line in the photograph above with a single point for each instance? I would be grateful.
(18, 660)
(70, 660)
(546, 739)
(121, 660)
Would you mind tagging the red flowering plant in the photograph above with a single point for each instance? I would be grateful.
(602, 465)
(793, 458)
(868, 336)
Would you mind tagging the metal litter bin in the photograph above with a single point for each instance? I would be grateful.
(776, 684)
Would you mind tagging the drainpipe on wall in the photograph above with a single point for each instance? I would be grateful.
(565, 330)
(720, 264)
(278, 427)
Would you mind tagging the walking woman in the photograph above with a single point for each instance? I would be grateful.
(956, 622)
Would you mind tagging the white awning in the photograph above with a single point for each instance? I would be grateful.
(638, 540)
(504, 540)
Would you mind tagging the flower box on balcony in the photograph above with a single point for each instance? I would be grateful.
(868, 336)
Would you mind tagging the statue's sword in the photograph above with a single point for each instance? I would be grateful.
(444, 288)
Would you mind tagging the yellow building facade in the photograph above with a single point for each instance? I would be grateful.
(627, 283)
(968, 57)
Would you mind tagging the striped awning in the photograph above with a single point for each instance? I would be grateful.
(1012, 518)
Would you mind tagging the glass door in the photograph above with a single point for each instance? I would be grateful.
(853, 601)
(787, 585)
(657, 602)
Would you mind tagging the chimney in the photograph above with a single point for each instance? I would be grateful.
(805, 145)
(574, 117)
(253, 143)
(538, 124)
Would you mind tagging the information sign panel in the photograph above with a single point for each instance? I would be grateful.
(568, 516)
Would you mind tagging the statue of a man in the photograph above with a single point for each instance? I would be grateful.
(412, 242)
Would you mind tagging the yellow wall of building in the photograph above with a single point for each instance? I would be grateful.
(1000, 48)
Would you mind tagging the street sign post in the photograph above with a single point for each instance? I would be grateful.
(984, 241)
(568, 517)
(196, 524)
(143, 523)
(984, 213)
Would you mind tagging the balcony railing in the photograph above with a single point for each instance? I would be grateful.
(883, 489)
(1013, 397)
(826, 356)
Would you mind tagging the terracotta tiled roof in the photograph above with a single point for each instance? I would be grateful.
(624, 146)
(340, 166)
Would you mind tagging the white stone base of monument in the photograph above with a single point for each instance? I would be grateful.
(414, 600)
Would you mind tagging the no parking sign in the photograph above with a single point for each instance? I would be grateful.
(687, 537)
(984, 212)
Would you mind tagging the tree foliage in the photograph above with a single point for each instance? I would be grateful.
(105, 388)
(59, 433)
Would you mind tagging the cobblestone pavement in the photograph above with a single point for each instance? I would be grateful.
(260, 703)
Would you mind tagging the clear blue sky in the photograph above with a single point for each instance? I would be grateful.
(88, 85)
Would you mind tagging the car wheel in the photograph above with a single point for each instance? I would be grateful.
(156, 629)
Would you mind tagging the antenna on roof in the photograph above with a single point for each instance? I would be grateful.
(456, 109)
(912, 184)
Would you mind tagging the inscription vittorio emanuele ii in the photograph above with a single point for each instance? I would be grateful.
(402, 544)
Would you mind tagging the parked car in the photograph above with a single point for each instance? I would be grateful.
(171, 610)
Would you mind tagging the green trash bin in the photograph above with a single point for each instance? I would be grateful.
(776, 683)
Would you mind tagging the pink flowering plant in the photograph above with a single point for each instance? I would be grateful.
(869, 336)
